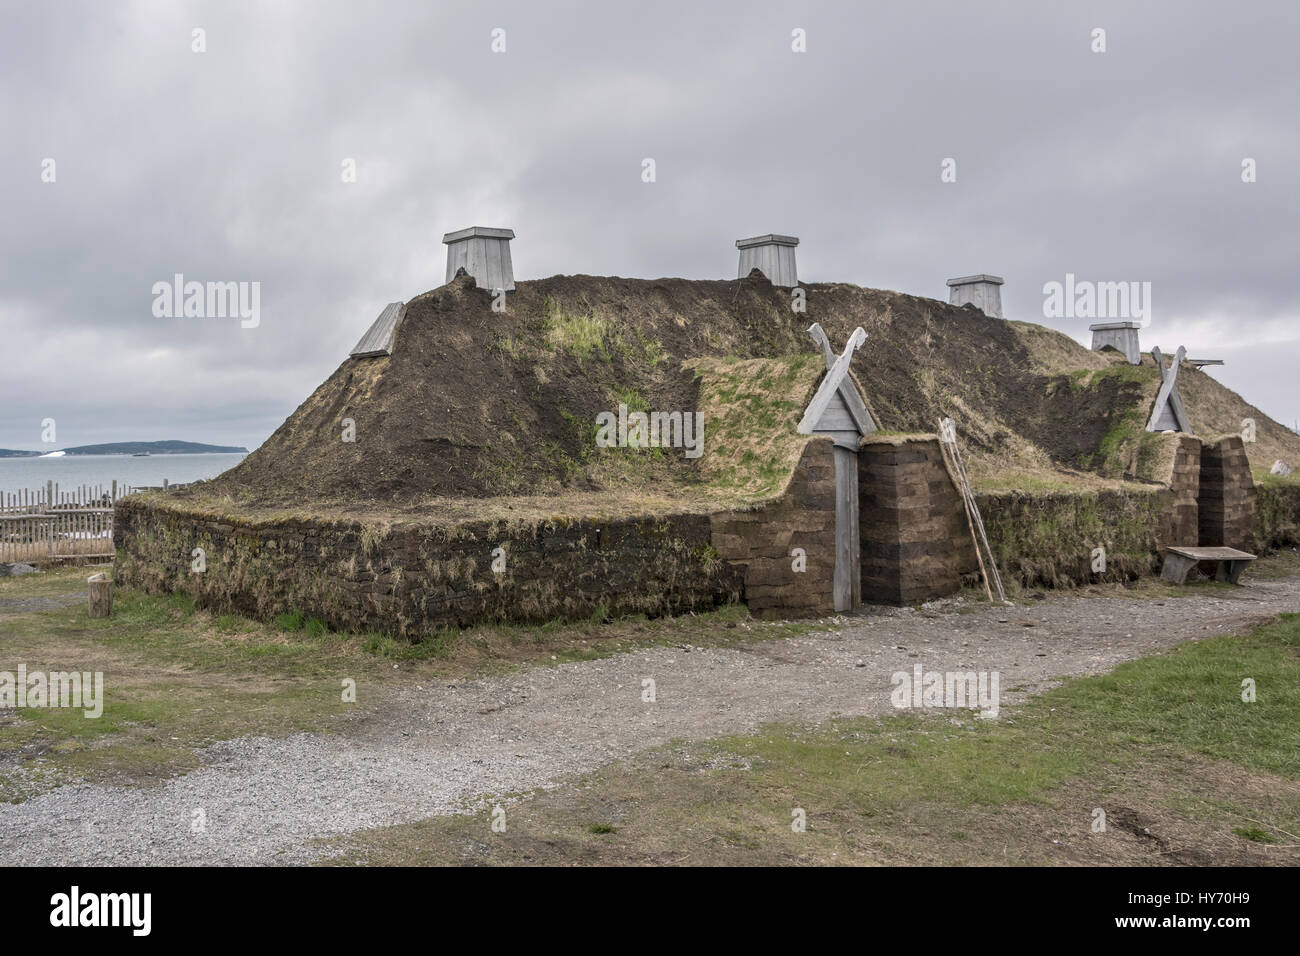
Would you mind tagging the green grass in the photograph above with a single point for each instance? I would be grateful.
(289, 621)
(1187, 700)
(169, 630)
(752, 408)
(1254, 834)
(1264, 477)
(177, 678)
(1191, 698)
(1168, 733)
(653, 353)
(633, 399)
(52, 582)
(151, 729)
(1108, 460)
(435, 647)
(583, 336)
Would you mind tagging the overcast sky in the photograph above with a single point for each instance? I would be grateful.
(226, 165)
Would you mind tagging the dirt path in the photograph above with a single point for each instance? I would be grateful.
(430, 750)
(15, 606)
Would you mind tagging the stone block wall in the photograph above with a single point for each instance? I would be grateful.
(916, 542)
(1226, 499)
(1180, 523)
(758, 544)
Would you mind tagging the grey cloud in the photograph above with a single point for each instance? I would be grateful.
(225, 166)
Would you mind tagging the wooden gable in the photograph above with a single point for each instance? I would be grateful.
(837, 408)
(1167, 414)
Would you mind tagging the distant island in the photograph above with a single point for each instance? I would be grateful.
(134, 448)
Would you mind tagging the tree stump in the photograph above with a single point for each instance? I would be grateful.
(101, 595)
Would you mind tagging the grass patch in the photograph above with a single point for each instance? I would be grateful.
(177, 678)
(584, 336)
(1185, 770)
(751, 409)
(289, 621)
(1254, 834)
(49, 582)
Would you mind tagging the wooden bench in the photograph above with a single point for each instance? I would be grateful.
(1180, 561)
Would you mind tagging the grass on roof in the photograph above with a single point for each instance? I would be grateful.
(752, 408)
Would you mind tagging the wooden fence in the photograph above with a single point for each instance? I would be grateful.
(53, 525)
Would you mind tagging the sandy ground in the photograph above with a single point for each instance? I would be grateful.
(440, 748)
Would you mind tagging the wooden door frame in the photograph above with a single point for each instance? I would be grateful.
(846, 585)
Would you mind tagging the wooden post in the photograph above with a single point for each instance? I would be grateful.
(101, 595)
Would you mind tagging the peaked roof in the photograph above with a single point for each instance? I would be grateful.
(469, 395)
(837, 384)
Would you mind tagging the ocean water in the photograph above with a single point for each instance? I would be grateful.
(71, 471)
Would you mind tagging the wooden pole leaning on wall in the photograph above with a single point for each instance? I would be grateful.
(970, 522)
(952, 455)
(101, 595)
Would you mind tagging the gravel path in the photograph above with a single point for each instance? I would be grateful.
(431, 750)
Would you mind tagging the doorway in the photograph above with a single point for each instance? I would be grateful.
(848, 553)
